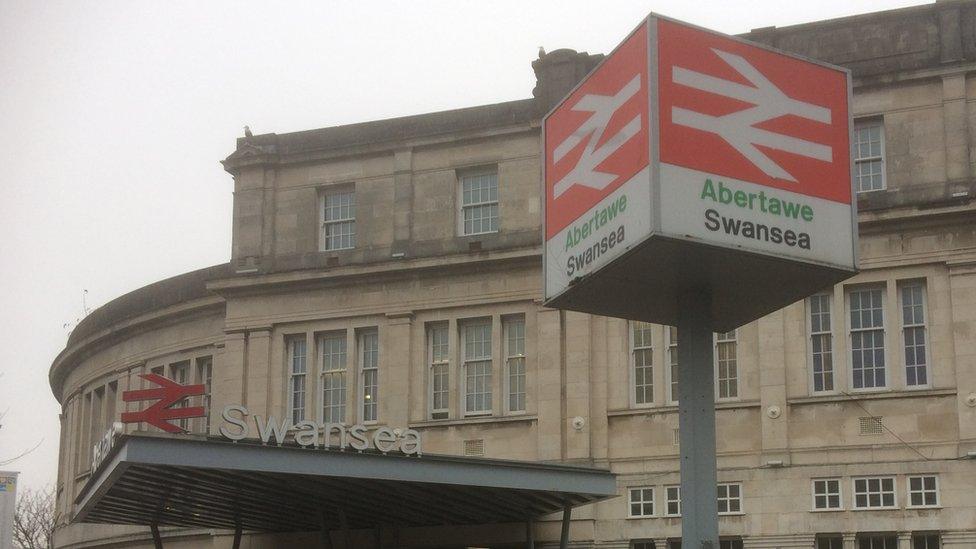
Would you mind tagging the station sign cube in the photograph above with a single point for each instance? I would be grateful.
(692, 161)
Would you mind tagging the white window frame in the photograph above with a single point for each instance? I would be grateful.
(668, 500)
(368, 366)
(883, 329)
(717, 341)
(923, 491)
(912, 326)
(442, 362)
(828, 298)
(857, 160)
(290, 358)
(881, 492)
(466, 362)
(324, 222)
(671, 356)
(874, 538)
(462, 207)
(928, 535)
(646, 347)
(515, 357)
(341, 373)
(826, 494)
(181, 372)
(642, 502)
(729, 499)
(204, 372)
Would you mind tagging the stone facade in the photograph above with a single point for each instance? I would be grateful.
(413, 277)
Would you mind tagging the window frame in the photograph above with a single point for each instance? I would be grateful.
(204, 376)
(290, 340)
(464, 363)
(901, 286)
(632, 360)
(671, 372)
(923, 491)
(431, 365)
(668, 500)
(716, 359)
(881, 492)
(831, 337)
(927, 534)
(508, 323)
(729, 499)
(181, 371)
(343, 374)
(856, 160)
(827, 494)
(884, 335)
(461, 206)
(642, 502)
(361, 350)
(324, 222)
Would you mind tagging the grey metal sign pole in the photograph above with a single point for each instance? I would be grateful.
(696, 422)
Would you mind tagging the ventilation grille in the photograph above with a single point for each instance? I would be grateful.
(474, 447)
(677, 437)
(871, 425)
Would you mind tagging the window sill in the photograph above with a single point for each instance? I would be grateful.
(870, 395)
(923, 507)
(673, 408)
(473, 421)
(738, 514)
(827, 510)
(861, 509)
(641, 517)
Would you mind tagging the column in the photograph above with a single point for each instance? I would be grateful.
(402, 199)
(962, 296)
(258, 372)
(549, 334)
(904, 540)
(850, 541)
(576, 379)
(772, 387)
(956, 124)
(394, 370)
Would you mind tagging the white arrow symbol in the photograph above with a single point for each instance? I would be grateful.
(603, 108)
(738, 128)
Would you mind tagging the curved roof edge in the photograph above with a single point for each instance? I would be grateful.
(156, 296)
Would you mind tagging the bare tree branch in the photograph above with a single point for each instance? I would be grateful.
(34, 519)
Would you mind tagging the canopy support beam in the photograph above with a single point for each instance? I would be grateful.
(157, 541)
(564, 534)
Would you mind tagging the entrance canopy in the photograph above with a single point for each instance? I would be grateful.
(153, 480)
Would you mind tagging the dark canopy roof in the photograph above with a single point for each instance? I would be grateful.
(214, 484)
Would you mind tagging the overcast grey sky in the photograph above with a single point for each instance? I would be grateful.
(114, 115)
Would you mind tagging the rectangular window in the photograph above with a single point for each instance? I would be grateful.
(339, 220)
(672, 333)
(730, 543)
(867, 338)
(869, 157)
(913, 332)
(643, 544)
(728, 370)
(923, 491)
(821, 343)
(877, 541)
(926, 540)
(476, 345)
(438, 355)
(643, 362)
(874, 493)
(641, 502)
(297, 378)
(369, 344)
(180, 373)
(515, 363)
(830, 541)
(479, 203)
(826, 494)
(730, 498)
(673, 497)
(333, 377)
(205, 377)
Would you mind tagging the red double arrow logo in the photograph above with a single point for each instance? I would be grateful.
(166, 395)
